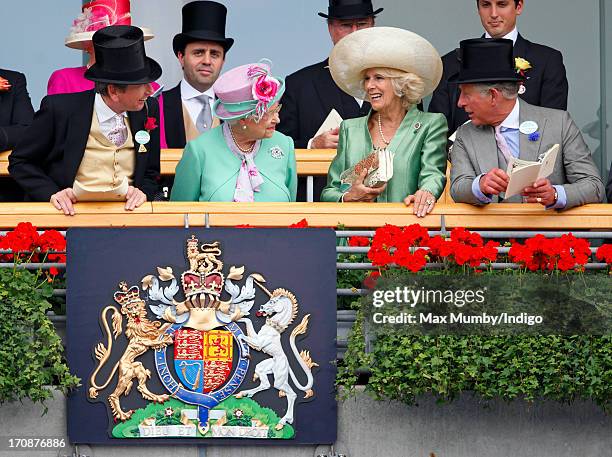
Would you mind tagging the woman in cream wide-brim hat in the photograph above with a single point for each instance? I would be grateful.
(393, 69)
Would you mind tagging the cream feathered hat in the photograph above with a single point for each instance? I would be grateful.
(387, 47)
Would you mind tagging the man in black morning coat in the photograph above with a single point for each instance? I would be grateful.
(546, 83)
(200, 48)
(70, 138)
(16, 115)
(311, 93)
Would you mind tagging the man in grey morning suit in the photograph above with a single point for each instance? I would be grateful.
(502, 127)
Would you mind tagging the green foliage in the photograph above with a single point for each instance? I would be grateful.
(350, 279)
(561, 368)
(31, 351)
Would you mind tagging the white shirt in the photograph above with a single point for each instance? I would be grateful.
(509, 128)
(511, 36)
(106, 116)
(512, 121)
(193, 105)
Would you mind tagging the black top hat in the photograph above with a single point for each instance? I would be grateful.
(203, 21)
(350, 9)
(486, 60)
(121, 58)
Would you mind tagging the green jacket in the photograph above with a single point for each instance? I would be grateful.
(208, 170)
(420, 156)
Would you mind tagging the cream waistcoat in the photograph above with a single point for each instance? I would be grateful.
(104, 165)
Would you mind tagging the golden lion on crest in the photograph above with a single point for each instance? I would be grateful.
(142, 335)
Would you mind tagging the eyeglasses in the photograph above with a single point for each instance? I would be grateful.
(348, 25)
(274, 111)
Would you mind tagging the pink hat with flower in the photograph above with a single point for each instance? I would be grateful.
(96, 15)
(246, 90)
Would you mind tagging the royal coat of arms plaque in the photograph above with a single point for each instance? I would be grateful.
(202, 335)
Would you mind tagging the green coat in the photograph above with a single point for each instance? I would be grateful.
(419, 162)
(208, 170)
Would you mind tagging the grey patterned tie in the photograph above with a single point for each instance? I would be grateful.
(204, 120)
(118, 134)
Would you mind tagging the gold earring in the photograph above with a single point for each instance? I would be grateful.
(244, 127)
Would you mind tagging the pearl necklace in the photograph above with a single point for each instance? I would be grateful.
(245, 151)
(382, 135)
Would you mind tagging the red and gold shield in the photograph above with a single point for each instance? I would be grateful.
(203, 360)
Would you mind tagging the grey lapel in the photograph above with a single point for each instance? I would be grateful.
(530, 150)
(485, 148)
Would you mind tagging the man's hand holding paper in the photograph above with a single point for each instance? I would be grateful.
(542, 192)
(327, 139)
(494, 182)
(523, 174)
(328, 133)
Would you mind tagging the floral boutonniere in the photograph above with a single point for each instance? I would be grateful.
(150, 124)
(521, 66)
(5, 86)
(143, 137)
(535, 136)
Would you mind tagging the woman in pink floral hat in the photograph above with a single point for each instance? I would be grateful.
(96, 15)
(245, 159)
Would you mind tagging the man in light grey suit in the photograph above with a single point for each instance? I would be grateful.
(503, 127)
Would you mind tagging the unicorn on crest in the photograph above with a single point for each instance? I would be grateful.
(280, 311)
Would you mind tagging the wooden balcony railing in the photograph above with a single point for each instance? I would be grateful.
(310, 162)
(351, 215)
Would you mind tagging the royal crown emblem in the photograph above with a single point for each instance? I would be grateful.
(125, 296)
(204, 276)
(202, 347)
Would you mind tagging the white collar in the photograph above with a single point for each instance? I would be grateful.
(511, 36)
(188, 91)
(103, 111)
(512, 121)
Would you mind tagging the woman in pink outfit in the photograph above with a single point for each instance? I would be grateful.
(96, 14)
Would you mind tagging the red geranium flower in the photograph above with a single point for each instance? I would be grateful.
(371, 279)
(26, 244)
(440, 246)
(541, 253)
(301, 224)
(392, 244)
(605, 253)
(359, 241)
(52, 240)
(463, 248)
